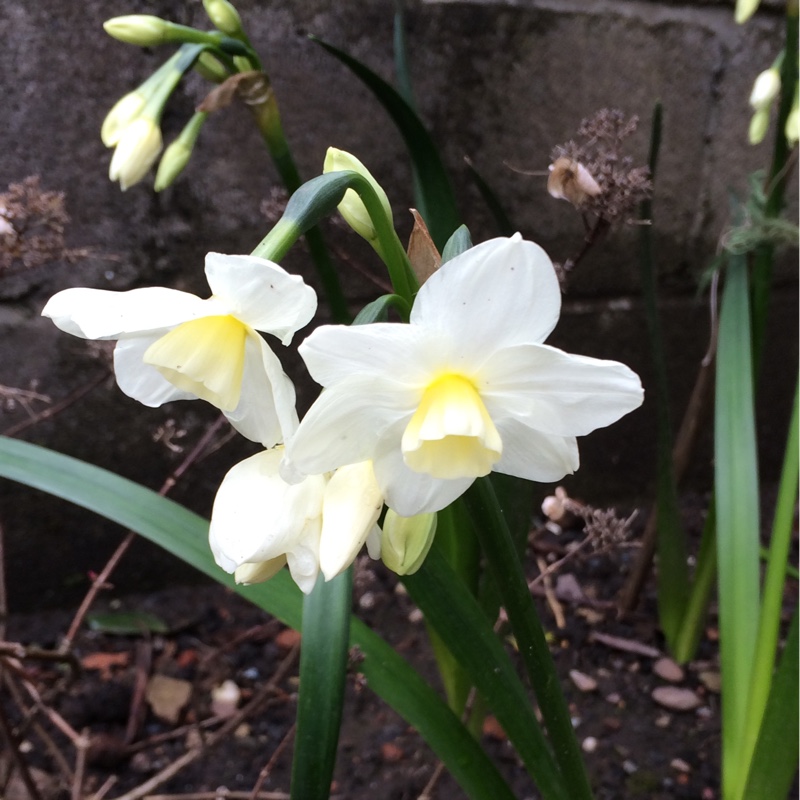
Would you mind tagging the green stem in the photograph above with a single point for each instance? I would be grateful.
(500, 552)
(268, 120)
(323, 669)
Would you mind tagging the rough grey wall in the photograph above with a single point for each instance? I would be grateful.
(498, 82)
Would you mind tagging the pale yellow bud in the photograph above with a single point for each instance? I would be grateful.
(125, 110)
(352, 207)
(792, 130)
(224, 16)
(136, 152)
(766, 88)
(759, 124)
(745, 9)
(143, 30)
(210, 68)
(177, 155)
(405, 541)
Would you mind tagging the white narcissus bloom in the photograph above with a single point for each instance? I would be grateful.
(260, 522)
(466, 388)
(175, 346)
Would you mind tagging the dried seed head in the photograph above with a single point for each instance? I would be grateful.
(570, 180)
(598, 160)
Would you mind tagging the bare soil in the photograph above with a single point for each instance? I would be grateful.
(634, 746)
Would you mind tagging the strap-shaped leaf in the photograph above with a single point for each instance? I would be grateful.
(323, 671)
(185, 534)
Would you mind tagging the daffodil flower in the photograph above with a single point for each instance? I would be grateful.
(260, 522)
(466, 388)
(172, 345)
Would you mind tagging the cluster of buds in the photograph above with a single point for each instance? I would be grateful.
(766, 91)
(132, 126)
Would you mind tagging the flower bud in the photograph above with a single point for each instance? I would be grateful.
(745, 9)
(177, 155)
(224, 16)
(405, 541)
(352, 207)
(144, 30)
(125, 110)
(766, 88)
(759, 124)
(210, 68)
(792, 129)
(136, 152)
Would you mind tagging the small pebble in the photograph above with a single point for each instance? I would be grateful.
(225, 699)
(711, 680)
(287, 639)
(614, 698)
(612, 723)
(367, 601)
(663, 721)
(675, 698)
(493, 729)
(584, 682)
(668, 670)
(416, 615)
(589, 744)
(705, 712)
(629, 766)
(679, 765)
(391, 753)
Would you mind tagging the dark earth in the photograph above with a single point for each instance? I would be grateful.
(634, 747)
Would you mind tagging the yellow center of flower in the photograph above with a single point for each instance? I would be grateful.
(205, 357)
(451, 435)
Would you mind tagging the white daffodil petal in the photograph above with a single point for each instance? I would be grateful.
(408, 492)
(259, 571)
(257, 516)
(266, 411)
(102, 314)
(141, 381)
(352, 505)
(536, 456)
(345, 422)
(303, 558)
(261, 293)
(404, 352)
(557, 392)
(498, 293)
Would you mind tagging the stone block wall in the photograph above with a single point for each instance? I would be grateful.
(500, 83)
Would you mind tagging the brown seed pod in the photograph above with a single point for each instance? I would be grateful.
(570, 180)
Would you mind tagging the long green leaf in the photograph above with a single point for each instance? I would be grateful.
(774, 762)
(463, 627)
(500, 551)
(434, 194)
(323, 672)
(774, 582)
(185, 535)
(736, 486)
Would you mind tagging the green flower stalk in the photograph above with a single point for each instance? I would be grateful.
(177, 155)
